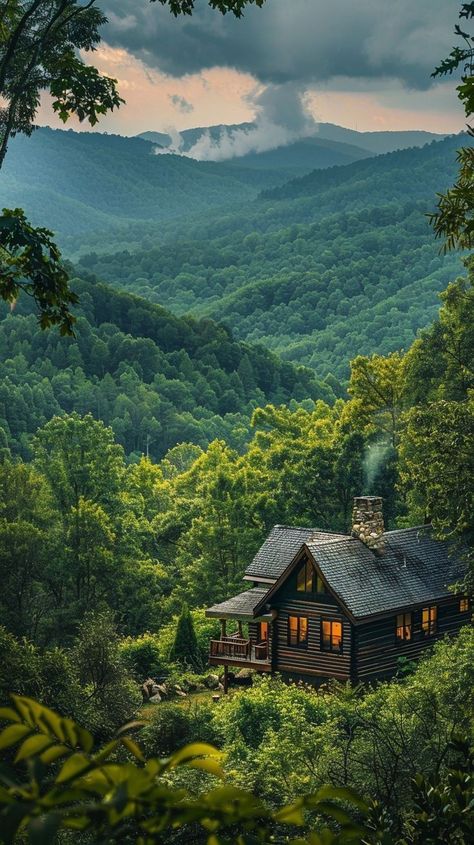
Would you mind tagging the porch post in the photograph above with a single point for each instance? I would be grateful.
(223, 628)
(226, 680)
(239, 623)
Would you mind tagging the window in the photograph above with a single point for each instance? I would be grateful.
(463, 605)
(298, 631)
(305, 577)
(308, 580)
(262, 633)
(331, 635)
(429, 618)
(404, 625)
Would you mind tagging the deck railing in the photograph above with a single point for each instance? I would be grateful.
(238, 648)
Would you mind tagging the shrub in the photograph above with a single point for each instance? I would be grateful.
(141, 656)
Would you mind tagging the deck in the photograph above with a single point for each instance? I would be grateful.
(237, 651)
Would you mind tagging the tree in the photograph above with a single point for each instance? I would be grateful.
(31, 262)
(185, 649)
(454, 220)
(437, 468)
(377, 387)
(40, 42)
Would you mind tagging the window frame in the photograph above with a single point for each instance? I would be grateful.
(331, 649)
(429, 625)
(403, 626)
(300, 644)
(464, 605)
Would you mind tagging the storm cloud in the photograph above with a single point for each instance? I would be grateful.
(291, 41)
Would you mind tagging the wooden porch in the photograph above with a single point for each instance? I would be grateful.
(235, 650)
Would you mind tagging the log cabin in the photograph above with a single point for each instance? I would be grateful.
(324, 605)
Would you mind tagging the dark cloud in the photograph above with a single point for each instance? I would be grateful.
(292, 41)
(183, 105)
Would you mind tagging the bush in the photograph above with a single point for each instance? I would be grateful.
(141, 656)
(174, 725)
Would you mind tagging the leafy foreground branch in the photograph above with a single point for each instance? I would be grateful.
(68, 784)
(31, 262)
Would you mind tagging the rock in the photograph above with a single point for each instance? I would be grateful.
(155, 699)
(163, 689)
(155, 689)
(212, 681)
(181, 693)
(244, 673)
(200, 687)
(221, 687)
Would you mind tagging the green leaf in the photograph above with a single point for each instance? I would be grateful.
(9, 715)
(54, 753)
(133, 748)
(73, 766)
(194, 749)
(13, 734)
(32, 746)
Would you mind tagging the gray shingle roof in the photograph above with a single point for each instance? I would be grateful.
(279, 549)
(241, 606)
(413, 569)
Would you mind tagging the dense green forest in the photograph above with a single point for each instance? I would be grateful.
(85, 182)
(157, 379)
(339, 263)
(197, 517)
(97, 556)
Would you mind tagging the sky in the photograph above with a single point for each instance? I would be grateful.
(364, 64)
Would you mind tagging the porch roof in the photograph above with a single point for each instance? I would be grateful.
(241, 607)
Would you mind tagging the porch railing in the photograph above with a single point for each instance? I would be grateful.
(238, 648)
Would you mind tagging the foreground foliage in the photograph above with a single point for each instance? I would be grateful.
(72, 785)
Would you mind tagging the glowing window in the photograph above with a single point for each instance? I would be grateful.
(297, 631)
(463, 605)
(331, 635)
(404, 626)
(429, 620)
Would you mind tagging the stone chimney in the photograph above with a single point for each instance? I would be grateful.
(367, 522)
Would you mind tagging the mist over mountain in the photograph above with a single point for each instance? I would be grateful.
(223, 142)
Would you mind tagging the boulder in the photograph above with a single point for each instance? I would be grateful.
(163, 689)
(212, 681)
(155, 699)
(244, 673)
(181, 693)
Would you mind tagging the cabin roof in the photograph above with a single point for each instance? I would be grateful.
(240, 607)
(414, 568)
(279, 549)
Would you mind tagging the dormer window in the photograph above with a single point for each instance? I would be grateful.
(308, 580)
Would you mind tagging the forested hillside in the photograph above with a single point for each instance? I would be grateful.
(82, 182)
(156, 379)
(313, 268)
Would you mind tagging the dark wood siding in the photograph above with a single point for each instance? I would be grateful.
(253, 634)
(310, 660)
(376, 648)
